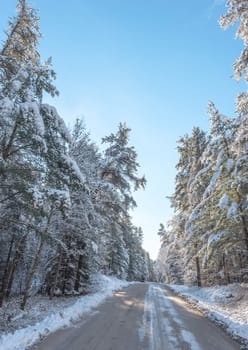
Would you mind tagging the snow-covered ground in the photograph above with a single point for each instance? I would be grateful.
(21, 329)
(228, 305)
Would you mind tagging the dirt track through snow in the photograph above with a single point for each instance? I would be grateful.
(141, 317)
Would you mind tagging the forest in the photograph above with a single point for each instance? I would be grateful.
(206, 241)
(73, 270)
(65, 206)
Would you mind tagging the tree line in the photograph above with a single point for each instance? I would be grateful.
(64, 205)
(206, 241)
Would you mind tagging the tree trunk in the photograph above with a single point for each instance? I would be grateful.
(198, 272)
(225, 269)
(9, 276)
(65, 275)
(54, 285)
(243, 219)
(79, 268)
(245, 230)
(35, 264)
(7, 149)
(5, 273)
(66, 270)
(241, 266)
(31, 274)
(78, 274)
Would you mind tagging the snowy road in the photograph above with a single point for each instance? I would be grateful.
(141, 317)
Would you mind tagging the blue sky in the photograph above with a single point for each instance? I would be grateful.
(153, 64)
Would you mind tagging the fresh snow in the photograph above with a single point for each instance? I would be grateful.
(155, 322)
(6, 107)
(73, 165)
(213, 181)
(57, 318)
(216, 237)
(16, 85)
(228, 305)
(57, 121)
(229, 164)
(223, 203)
(233, 210)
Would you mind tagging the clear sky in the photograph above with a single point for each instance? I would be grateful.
(151, 63)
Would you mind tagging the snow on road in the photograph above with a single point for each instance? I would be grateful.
(225, 304)
(144, 316)
(169, 323)
(153, 326)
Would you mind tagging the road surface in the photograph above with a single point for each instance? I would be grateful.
(141, 317)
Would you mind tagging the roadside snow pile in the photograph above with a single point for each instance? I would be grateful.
(227, 305)
(58, 314)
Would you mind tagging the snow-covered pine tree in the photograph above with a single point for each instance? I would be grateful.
(64, 209)
(240, 174)
(237, 11)
(137, 269)
(162, 232)
(71, 267)
(187, 195)
(21, 132)
(119, 170)
(211, 186)
(170, 262)
(34, 142)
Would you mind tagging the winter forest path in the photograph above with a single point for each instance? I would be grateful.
(141, 317)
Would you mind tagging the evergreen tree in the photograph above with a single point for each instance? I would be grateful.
(34, 142)
(119, 170)
(64, 207)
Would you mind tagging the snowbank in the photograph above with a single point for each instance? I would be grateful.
(228, 305)
(22, 338)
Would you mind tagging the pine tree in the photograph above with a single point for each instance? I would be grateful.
(64, 207)
(71, 269)
(119, 170)
(33, 141)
